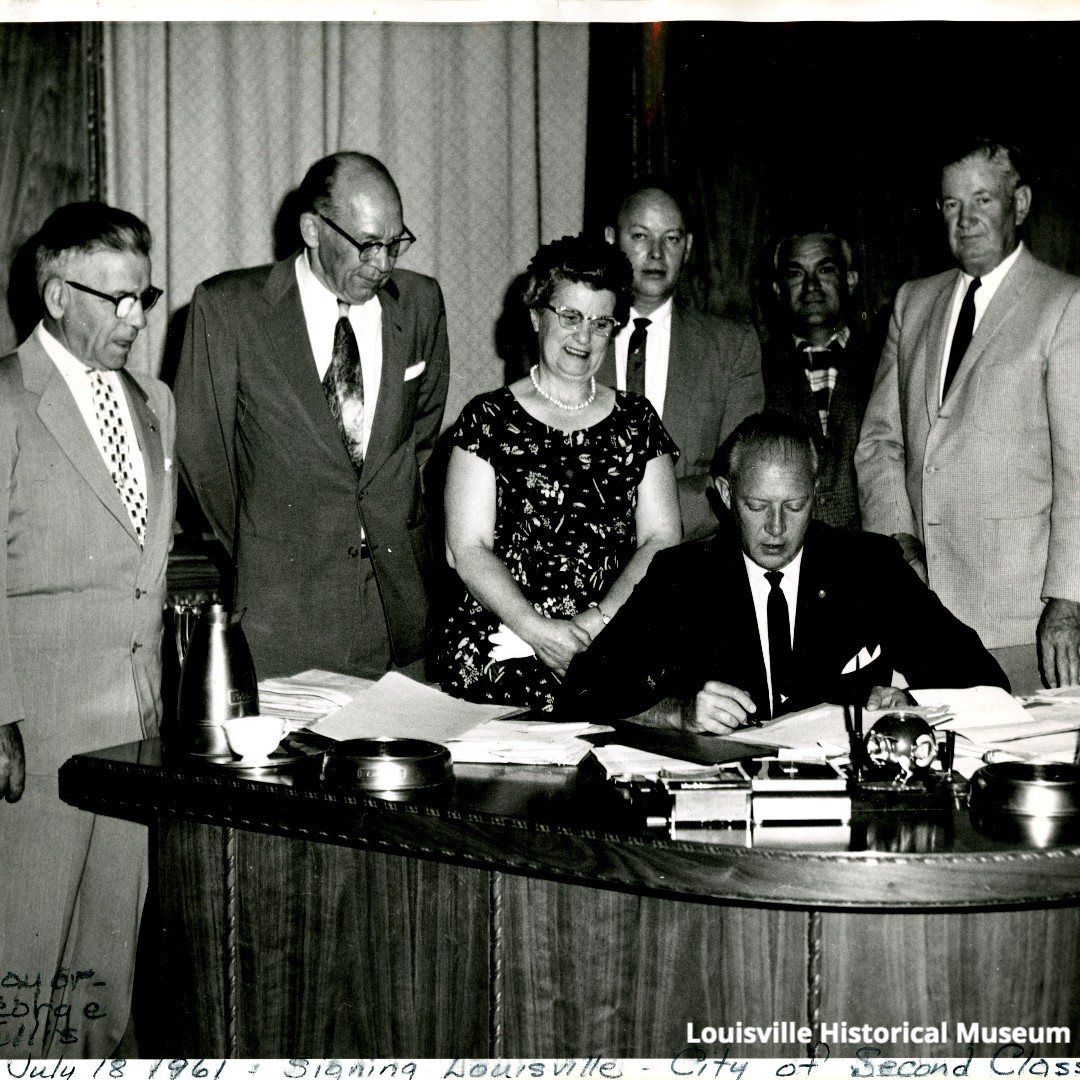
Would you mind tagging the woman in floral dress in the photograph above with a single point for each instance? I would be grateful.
(558, 494)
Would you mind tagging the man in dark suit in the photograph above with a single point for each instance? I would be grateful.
(777, 614)
(702, 373)
(87, 503)
(309, 396)
(818, 367)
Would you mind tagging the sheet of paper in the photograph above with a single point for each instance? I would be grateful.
(398, 705)
(619, 760)
(975, 706)
(525, 742)
(806, 728)
(308, 697)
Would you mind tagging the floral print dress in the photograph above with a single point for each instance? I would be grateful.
(564, 527)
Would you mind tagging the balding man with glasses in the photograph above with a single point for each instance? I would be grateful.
(87, 499)
(310, 394)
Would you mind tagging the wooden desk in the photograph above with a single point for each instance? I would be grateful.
(525, 912)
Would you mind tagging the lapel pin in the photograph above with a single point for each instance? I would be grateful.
(821, 594)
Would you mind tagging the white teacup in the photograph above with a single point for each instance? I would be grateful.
(254, 738)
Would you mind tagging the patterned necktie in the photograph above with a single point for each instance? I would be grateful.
(965, 327)
(112, 436)
(779, 643)
(635, 357)
(821, 372)
(343, 385)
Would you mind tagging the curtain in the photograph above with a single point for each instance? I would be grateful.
(48, 138)
(762, 126)
(210, 127)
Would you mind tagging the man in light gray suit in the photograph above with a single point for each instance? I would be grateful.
(970, 450)
(87, 499)
(702, 373)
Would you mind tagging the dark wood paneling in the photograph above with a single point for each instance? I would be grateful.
(995, 968)
(191, 878)
(356, 953)
(47, 75)
(588, 971)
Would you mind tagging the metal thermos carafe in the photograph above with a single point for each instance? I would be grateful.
(217, 682)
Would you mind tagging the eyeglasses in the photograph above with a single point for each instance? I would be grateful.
(570, 319)
(369, 249)
(125, 302)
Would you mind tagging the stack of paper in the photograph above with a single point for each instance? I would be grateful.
(402, 707)
(632, 763)
(524, 742)
(306, 698)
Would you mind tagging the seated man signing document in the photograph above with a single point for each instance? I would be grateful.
(775, 614)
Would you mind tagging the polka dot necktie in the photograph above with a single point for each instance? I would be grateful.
(112, 436)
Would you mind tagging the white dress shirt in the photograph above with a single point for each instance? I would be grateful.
(759, 590)
(77, 376)
(321, 315)
(983, 295)
(657, 350)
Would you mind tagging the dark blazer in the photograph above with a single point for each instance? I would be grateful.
(788, 390)
(713, 383)
(263, 456)
(691, 619)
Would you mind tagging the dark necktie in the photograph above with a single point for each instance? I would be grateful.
(343, 385)
(635, 357)
(779, 643)
(965, 327)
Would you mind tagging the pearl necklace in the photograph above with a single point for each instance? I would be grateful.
(554, 400)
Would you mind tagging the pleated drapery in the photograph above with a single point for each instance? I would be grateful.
(210, 126)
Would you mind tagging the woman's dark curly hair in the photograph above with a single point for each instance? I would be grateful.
(579, 259)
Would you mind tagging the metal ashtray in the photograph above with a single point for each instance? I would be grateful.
(387, 764)
(1026, 789)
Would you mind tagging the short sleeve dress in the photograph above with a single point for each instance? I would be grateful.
(564, 527)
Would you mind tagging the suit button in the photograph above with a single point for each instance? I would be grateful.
(136, 646)
(354, 551)
(138, 594)
(930, 469)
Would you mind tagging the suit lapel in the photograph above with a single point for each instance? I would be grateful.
(1007, 296)
(288, 347)
(682, 371)
(935, 344)
(395, 359)
(63, 420)
(742, 659)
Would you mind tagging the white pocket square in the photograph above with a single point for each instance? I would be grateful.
(863, 658)
(413, 370)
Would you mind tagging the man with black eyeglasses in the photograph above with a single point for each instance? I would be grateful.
(702, 373)
(87, 499)
(310, 394)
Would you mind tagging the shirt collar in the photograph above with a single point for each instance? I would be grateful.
(841, 337)
(993, 279)
(660, 317)
(314, 291)
(68, 364)
(793, 568)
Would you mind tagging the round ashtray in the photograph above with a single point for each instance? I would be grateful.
(387, 764)
(1026, 789)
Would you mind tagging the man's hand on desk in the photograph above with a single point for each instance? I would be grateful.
(888, 697)
(1059, 642)
(718, 708)
(12, 763)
